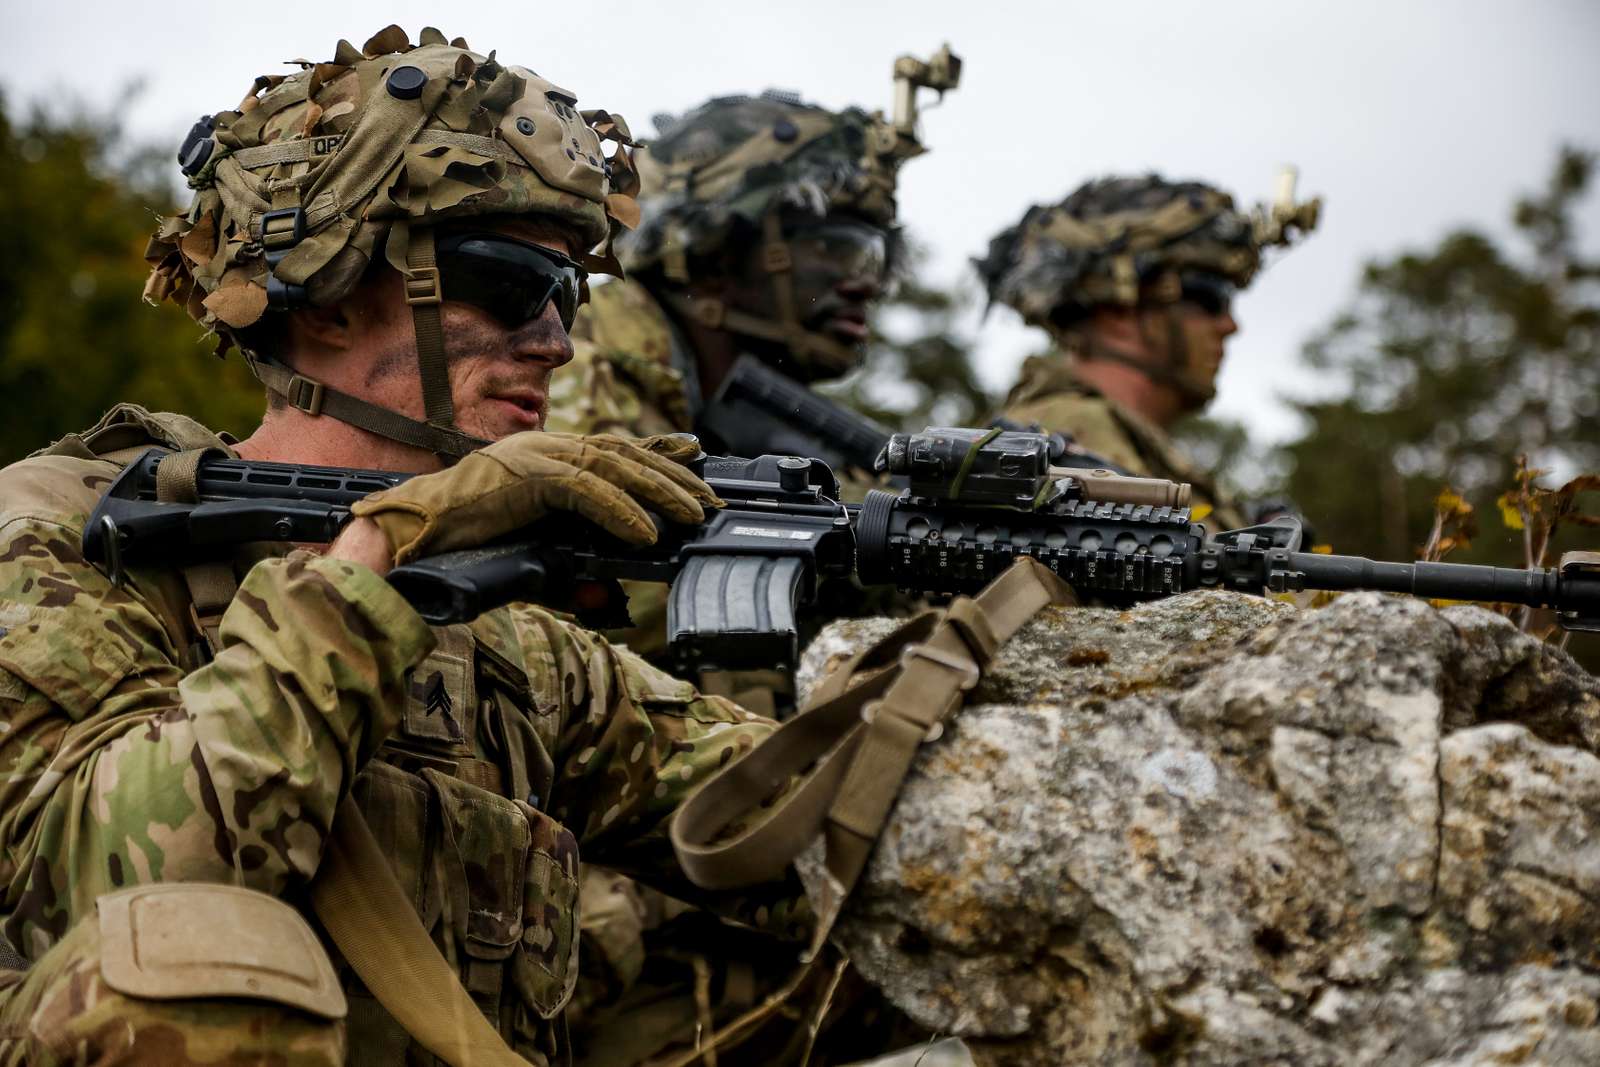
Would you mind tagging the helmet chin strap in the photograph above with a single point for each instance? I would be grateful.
(438, 434)
(1172, 370)
(812, 351)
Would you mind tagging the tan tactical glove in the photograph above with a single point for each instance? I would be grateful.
(609, 480)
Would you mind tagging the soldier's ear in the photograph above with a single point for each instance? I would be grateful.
(339, 327)
(1115, 325)
(321, 328)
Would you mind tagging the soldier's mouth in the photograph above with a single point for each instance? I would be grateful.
(523, 407)
(849, 326)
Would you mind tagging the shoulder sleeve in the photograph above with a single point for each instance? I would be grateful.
(621, 379)
(122, 769)
(588, 396)
(1089, 421)
(634, 742)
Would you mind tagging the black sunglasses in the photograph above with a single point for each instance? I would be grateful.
(512, 280)
(1208, 292)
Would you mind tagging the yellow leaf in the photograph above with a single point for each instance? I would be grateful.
(1199, 512)
(1451, 502)
(1509, 513)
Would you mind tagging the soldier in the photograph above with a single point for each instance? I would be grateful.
(1133, 278)
(397, 238)
(768, 229)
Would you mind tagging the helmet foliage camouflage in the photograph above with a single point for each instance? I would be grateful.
(297, 189)
(734, 159)
(1112, 237)
(730, 165)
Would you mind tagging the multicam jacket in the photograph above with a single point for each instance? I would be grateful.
(484, 756)
(1049, 395)
(632, 371)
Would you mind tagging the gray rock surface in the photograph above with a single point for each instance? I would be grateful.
(1218, 829)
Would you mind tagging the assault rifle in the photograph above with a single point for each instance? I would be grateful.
(757, 410)
(976, 501)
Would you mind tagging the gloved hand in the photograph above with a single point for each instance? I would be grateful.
(608, 480)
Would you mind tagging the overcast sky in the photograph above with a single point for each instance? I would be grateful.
(1408, 117)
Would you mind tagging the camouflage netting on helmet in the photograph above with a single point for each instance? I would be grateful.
(734, 159)
(368, 145)
(1110, 236)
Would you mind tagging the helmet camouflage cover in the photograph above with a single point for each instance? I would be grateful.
(735, 159)
(1112, 236)
(297, 189)
(374, 141)
(729, 169)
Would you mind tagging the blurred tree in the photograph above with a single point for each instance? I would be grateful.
(1458, 360)
(917, 371)
(75, 337)
(1223, 446)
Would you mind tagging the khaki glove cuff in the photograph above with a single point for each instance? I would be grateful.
(406, 525)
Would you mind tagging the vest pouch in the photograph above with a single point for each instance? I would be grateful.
(545, 970)
(396, 804)
(482, 866)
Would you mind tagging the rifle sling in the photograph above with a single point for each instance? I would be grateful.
(375, 926)
(858, 743)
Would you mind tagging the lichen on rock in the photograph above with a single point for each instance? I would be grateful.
(1218, 829)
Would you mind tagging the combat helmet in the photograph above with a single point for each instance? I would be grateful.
(1127, 240)
(316, 173)
(726, 170)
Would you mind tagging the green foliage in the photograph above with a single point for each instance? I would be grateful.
(75, 338)
(1458, 360)
(917, 371)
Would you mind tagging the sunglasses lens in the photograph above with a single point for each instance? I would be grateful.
(851, 249)
(511, 280)
(1212, 295)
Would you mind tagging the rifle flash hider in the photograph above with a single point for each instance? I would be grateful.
(1116, 488)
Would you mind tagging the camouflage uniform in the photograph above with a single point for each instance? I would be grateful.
(484, 757)
(1129, 242)
(627, 374)
(149, 742)
(1048, 394)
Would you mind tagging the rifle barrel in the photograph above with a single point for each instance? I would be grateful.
(1536, 587)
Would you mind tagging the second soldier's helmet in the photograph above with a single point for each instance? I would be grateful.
(727, 170)
(720, 170)
(1112, 239)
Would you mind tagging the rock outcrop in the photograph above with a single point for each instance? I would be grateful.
(1218, 829)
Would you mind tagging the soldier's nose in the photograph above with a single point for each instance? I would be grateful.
(862, 289)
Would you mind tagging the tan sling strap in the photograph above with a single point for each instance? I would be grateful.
(858, 742)
(375, 926)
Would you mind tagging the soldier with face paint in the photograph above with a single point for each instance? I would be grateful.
(1134, 279)
(767, 229)
(254, 809)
